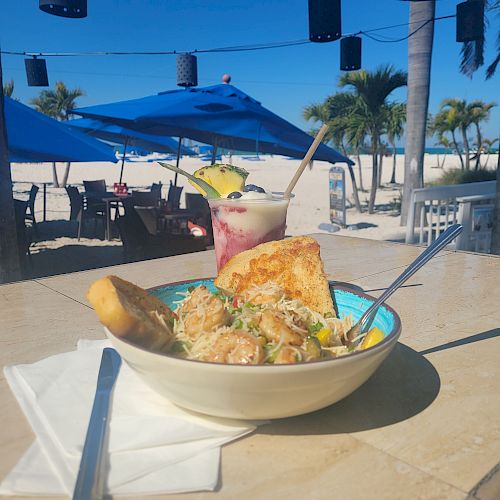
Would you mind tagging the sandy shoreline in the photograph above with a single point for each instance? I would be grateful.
(58, 251)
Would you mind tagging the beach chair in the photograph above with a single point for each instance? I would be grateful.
(30, 213)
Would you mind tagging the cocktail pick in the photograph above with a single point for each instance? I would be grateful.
(209, 190)
(307, 158)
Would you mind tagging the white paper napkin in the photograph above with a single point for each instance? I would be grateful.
(154, 446)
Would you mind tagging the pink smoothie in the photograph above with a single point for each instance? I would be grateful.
(239, 224)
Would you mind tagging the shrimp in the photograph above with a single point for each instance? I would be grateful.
(288, 354)
(275, 329)
(236, 347)
(259, 295)
(203, 312)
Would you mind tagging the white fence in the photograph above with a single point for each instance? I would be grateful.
(440, 206)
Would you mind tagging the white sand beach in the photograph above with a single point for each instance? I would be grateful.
(57, 249)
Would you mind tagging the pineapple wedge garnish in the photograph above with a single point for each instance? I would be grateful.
(222, 177)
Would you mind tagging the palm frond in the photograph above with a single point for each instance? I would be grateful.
(490, 71)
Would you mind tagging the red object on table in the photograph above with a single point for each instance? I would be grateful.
(120, 188)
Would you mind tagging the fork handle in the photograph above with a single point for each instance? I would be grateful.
(446, 237)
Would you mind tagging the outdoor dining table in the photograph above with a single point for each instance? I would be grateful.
(108, 198)
(425, 425)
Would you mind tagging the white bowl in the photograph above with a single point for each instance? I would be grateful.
(262, 391)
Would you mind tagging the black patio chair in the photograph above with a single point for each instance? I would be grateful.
(198, 205)
(30, 213)
(98, 186)
(145, 199)
(81, 210)
(23, 235)
(156, 188)
(141, 244)
(174, 196)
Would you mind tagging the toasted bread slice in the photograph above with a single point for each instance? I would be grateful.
(294, 264)
(128, 311)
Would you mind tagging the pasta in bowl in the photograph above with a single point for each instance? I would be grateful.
(280, 379)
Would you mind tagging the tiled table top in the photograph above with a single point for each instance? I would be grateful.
(426, 425)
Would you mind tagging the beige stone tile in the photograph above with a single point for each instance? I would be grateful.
(146, 273)
(447, 424)
(453, 297)
(348, 259)
(452, 318)
(288, 460)
(489, 486)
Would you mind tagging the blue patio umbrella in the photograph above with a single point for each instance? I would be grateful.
(121, 135)
(221, 115)
(33, 137)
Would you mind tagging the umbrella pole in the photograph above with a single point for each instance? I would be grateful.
(123, 159)
(214, 153)
(178, 159)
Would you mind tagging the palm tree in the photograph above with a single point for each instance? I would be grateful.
(472, 53)
(420, 41)
(488, 144)
(464, 116)
(370, 113)
(8, 88)
(447, 121)
(480, 111)
(58, 104)
(443, 141)
(395, 128)
(333, 111)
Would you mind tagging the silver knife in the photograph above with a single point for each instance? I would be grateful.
(90, 481)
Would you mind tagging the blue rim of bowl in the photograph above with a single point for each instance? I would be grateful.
(391, 337)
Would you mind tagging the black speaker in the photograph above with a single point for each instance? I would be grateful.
(65, 8)
(187, 70)
(470, 21)
(36, 72)
(324, 20)
(350, 53)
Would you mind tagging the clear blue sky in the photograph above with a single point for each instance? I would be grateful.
(284, 80)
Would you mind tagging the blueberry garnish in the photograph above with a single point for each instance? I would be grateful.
(234, 194)
(253, 187)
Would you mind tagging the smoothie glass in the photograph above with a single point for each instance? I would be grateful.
(240, 224)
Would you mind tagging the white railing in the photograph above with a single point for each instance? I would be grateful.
(440, 206)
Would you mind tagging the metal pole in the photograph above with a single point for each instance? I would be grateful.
(10, 268)
(123, 158)
(214, 153)
(44, 201)
(178, 159)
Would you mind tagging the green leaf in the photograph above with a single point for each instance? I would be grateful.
(314, 328)
(211, 192)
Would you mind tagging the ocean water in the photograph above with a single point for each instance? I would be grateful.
(431, 151)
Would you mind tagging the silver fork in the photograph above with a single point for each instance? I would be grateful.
(355, 335)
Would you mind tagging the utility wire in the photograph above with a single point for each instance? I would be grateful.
(240, 48)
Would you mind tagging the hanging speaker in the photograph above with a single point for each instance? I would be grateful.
(324, 20)
(350, 53)
(65, 8)
(36, 72)
(470, 21)
(187, 70)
